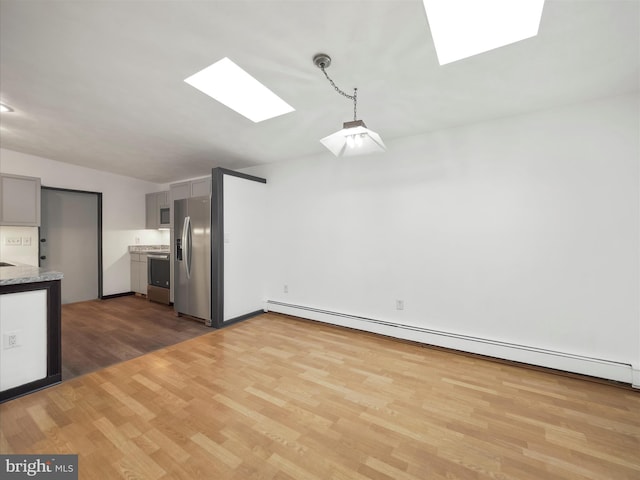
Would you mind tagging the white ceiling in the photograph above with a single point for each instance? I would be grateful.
(100, 83)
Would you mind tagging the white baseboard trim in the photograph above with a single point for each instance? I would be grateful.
(568, 362)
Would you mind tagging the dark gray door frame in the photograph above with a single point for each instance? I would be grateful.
(99, 217)
(217, 245)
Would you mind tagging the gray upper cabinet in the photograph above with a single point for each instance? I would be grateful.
(179, 191)
(157, 210)
(164, 209)
(19, 200)
(151, 202)
(192, 188)
(201, 187)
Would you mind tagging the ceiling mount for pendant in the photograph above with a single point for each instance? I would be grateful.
(354, 138)
(322, 60)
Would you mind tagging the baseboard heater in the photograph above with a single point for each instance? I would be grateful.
(566, 361)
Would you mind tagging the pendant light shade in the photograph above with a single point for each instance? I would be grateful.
(354, 139)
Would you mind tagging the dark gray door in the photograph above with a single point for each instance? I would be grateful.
(69, 241)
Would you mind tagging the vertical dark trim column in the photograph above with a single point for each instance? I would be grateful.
(100, 284)
(217, 244)
(217, 248)
(54, 328)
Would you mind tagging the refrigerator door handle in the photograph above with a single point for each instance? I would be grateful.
(186, 245)
(190, 241)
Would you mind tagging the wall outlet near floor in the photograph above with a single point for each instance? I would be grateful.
(399, 304)
(13, 241)
(11, 339)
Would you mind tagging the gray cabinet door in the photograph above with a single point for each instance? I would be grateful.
(139, 274)
(135, 272)
(178, 191)
(151, 215)
(19, 200)
(163, 199)
(201, 187)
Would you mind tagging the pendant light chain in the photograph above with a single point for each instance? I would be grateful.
(353, 97)
(355, 104)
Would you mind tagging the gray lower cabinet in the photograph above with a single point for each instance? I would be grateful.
(19, 200)
(139, 275)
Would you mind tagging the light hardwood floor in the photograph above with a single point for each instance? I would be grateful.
(280, 398)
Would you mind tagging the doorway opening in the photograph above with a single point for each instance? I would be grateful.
(71, 241)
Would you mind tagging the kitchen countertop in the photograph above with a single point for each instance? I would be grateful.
(21, 273)
(149, 249)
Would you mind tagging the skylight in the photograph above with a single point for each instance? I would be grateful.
(230, 85)
(463, 28)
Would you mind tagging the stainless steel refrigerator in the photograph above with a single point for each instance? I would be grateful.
(192, 257)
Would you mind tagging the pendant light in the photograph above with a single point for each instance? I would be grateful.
(354, 138)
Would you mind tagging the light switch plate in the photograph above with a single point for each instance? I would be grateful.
(13, 241)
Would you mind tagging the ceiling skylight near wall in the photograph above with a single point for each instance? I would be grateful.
(230, 85)
(463, 28)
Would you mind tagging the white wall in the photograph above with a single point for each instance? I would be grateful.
(244, 246)
(123, 208)
(26, 252)
(521, 231)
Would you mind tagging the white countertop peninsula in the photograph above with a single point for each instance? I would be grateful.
(30, 329)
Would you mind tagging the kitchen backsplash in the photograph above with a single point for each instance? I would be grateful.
(149, 237)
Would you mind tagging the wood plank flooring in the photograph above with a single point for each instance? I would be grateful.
(100, 333)
(280, 398)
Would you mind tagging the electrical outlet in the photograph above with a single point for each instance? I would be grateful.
(13, 241)
(11, 340)
(399, 304)
(286, 289)
(26, 241)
